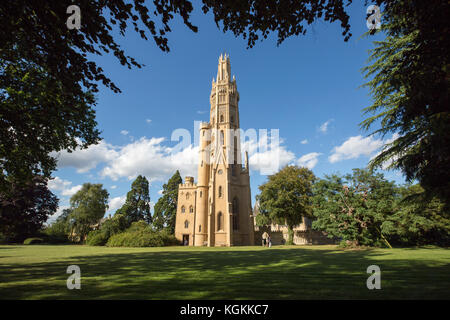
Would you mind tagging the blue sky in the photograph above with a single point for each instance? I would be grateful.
(308, 88)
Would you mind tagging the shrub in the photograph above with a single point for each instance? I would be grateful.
(141, 235)
(3, 239)
(138, 226)
(168, 238)
(133, 239)
(57, 232)
(96, 238)
(117, 224)
(110, 227)
(33, 241)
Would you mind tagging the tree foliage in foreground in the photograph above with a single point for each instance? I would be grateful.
(166, 206)
(88, 206)
(37, 117)
(286, 198)
(409, 82)
(48, 75)
(354, 207)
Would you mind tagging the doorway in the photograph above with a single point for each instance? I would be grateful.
(185, 239)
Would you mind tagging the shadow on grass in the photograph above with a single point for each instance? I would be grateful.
(295, 273)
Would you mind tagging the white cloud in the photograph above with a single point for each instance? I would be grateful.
(70, 192)
(324, 127)
(148, 120)
(58, 184)
(124, 132)
(150, 158)
(62, 186)
(160, 192)
(355, 147)
(267, 161)
(116, 203)
(86, 159)
(201, 111)
(309, 160)
(146, 156)
(113, 187)
(304, 141)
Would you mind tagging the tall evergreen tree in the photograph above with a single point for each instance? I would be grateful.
(409, 83)
(166, 207)
(137, 204)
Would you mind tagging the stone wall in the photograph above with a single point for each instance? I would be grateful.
(301, 237)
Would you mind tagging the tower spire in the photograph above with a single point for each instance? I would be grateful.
(224, 68)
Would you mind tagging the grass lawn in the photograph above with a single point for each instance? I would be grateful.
(284, 272)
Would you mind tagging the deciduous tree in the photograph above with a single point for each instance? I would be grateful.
(48, 76)
(287, 197)
(354, 207)
(88, 206)
(25, 208)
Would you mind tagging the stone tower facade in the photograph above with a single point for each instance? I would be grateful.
(217, 211)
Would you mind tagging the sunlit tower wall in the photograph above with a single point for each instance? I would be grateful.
(201, 223)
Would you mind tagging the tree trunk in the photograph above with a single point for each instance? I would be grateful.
(290, 235)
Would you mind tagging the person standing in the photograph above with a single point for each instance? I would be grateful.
(269, 239)
(264, 239)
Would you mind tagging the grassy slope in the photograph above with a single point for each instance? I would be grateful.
(308, 272)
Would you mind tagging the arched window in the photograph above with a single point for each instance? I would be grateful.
(187, 196)
(219, 221)
(183, 209)
(201, 193)
(220, 192)
(191, 209)
(235, 213)
(186, 224)
(199, 228)
(221, 137)
(221, 118)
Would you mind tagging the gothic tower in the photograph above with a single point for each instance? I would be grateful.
(221, 200)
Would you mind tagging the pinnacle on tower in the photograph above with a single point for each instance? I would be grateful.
(224, 68)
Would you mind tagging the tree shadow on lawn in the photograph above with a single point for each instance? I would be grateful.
(295, 273)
